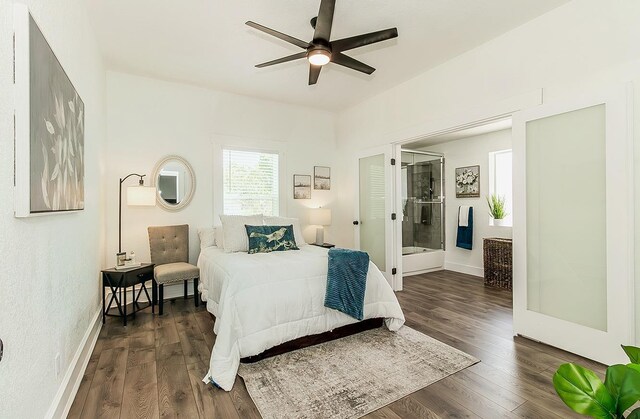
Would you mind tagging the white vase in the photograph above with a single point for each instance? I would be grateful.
(499, 222)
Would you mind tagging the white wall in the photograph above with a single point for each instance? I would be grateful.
(149, 119)
(49, 289)
(469, 151)
(583, 45)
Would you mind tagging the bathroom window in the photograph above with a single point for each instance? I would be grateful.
(250, 182)
(500, 180)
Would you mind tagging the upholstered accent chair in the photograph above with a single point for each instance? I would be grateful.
(169, 247)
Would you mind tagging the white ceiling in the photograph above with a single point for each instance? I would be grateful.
(205, 42)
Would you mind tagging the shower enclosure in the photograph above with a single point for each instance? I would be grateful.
(422, 211)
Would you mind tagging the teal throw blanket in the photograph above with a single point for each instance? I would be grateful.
(347, 281)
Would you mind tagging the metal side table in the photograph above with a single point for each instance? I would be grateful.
(117, 279)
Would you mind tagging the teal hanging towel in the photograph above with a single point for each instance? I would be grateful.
(464, 239)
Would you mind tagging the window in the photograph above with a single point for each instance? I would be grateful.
(500, 180)
(250, 182)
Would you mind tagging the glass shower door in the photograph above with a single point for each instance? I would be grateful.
(422, 202)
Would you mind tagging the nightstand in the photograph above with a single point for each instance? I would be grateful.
(117, 279)
(325, 245)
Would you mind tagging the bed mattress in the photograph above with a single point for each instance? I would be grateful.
(265, 299)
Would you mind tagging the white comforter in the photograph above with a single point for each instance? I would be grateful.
(265, 299)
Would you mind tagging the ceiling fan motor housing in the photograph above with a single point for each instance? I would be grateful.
(319, 54)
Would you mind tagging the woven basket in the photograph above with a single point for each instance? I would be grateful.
(498, 265)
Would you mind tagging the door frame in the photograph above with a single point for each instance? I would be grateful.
(389, 207)
(619, 234)
(468, 118)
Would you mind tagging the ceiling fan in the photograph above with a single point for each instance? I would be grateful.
(321, 50)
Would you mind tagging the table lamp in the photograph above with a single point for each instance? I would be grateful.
(139, 195)
(320, 217)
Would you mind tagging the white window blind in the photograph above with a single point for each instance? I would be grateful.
(250, 182)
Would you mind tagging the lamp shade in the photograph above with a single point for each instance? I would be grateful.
(320, 217)
(141, 195)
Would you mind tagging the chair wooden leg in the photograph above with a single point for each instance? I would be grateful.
(196, 294)
(160, 299)
(185, 289)
(154, 295)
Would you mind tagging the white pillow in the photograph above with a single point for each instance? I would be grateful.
(284, 221)
(219, 236)
(234, 234)
(207, 237)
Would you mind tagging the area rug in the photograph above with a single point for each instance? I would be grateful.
(350, 377)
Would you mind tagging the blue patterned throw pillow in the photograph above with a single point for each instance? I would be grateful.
(265, 239)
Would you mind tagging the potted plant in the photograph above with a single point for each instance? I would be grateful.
(582, 390)
(496, 209)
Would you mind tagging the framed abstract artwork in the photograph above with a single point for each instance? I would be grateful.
(301, 186)
(322, 178)
(468, 182)
(49, 118)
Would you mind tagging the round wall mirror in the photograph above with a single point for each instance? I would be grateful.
(175, 183)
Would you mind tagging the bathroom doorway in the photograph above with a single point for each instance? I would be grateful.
(430, 201)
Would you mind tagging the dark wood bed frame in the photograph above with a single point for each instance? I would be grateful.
(305, 341)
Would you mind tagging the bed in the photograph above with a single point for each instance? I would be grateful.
(266, 299)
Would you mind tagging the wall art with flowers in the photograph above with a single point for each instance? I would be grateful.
(468, 182)
(49, 128)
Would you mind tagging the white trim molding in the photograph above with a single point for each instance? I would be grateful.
(464, 269)
(71, 382)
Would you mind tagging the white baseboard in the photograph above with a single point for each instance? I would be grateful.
(422, 271)
(71, 382)
(464, 269)
(177, 290)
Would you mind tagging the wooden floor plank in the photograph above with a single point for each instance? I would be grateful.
(491, 391)
(104, 399)
(384, 413)
(140, 399)
(141, 356)
(456, 390)
(175, 395)
(242, 401)
(211, 402)
(81, 396)
(408, 407)
(530, 410)
(169, 355)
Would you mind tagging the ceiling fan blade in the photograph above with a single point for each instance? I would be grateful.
(343, 60)
(325, 20)
(358, 41)
(284, 37)
(284, 59)
(314, 73)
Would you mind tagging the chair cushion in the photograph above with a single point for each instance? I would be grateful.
(169, 244)
(174, 272)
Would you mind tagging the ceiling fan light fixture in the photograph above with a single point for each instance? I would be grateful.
(319, 57)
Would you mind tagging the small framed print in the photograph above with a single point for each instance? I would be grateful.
(468, 182)
(121, 259)
(322, 178)
(301, 186)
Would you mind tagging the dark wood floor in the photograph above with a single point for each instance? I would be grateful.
(153, 367)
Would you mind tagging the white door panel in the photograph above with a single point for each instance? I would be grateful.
(573, 225)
